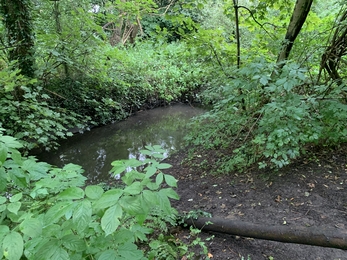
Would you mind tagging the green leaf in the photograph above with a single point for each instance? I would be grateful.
(130, 251)
(164, 166)
(4, 230)
(82, 215)
(152, 186)
(110, 220)
(264, 80)
(157, 148)
(19, 177)
(134, 189)
(3, 153)
(37, 170)
(16, 197)
(71, 193)
(94, 192)
(3, 199)
(164, 204)
(60, 254)
(10, 141)
(150, 197)
(31, 227)
(148, 147)
(159, 179)
(17, 157)
(150, 171)
(74, 243)
(72, 170)
(141, 231)
(51, 230)
(158, 155)
(109, 255)
(3, 179)
(132, 205)
(169, 193)
(2, 208)
(57, 211)
(170, 180)
(123, 236)
(14, 207)
(132, 163)
(146, 152)
(52, 250)
(12, 246)
(108, 199)
(55, 53)
(118, 167)
(38, 193)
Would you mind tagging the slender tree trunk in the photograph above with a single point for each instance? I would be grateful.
(59, 30)
(301, 10)
(237, 33)
(238, 46)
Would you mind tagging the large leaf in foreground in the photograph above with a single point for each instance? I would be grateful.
(13, 246)
(110, 220)
(82, 215)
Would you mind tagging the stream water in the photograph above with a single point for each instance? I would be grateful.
(96, 149)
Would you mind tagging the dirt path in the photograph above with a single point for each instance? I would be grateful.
(308, 193)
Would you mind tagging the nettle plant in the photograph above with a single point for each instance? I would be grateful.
(49, 213)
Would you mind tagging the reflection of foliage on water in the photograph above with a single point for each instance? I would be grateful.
(95, 150)
(168, 133)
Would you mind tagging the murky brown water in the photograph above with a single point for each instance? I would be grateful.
(96, 149)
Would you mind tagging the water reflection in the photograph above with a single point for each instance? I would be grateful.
(96, 149)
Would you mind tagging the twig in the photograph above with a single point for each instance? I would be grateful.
(261, 25)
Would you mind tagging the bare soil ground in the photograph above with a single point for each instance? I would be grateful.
(307, 193)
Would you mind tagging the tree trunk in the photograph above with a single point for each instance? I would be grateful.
(237, 33)
(335, 51)
(19, 34)
(299, 235)
(301, 10)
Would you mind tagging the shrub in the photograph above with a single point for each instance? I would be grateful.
(143, 76)
(270, 121)
(30, 118)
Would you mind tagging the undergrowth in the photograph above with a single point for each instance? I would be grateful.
(49, 213)
(270, 120)
(123, 81)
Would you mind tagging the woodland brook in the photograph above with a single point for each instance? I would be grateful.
(267, 158)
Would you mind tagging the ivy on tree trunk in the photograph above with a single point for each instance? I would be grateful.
(19, 34)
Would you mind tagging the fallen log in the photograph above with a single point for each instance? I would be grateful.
(333, 238)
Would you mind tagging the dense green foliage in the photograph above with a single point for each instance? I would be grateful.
(87, 73)
(67, 64)
(32, 118)
(283, 117)
(268, 114)
(82, 80)
(49, 213)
